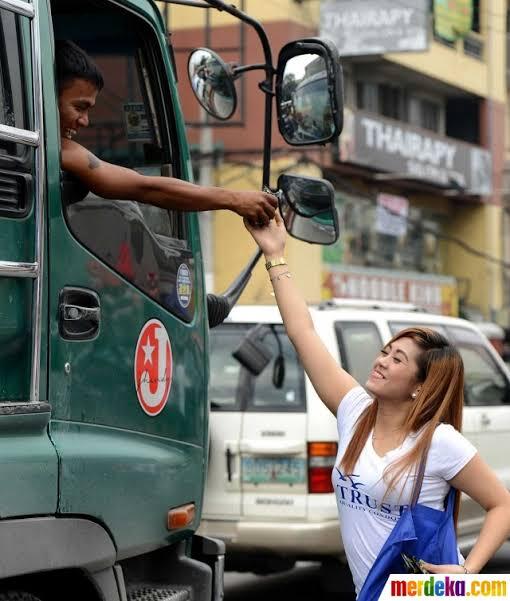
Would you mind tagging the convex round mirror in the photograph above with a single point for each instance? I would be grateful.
(212, 83)
(307, 205)
(309, 93)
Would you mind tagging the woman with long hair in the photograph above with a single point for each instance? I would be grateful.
(400, 444)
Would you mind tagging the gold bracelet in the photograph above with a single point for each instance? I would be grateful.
(466, 571)
(275, 263)
(287, 274)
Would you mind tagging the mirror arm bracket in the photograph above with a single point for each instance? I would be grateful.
(219, 307)
(238, 70)
(265, 87)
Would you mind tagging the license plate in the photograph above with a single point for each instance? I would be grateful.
(273, 470)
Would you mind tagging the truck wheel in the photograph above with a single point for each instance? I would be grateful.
(17, 596)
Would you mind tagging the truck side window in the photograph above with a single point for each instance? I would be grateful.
(359, 344)
(129, 126)
(11, 90)
(291, 396)
(13, 112)
(225, 371)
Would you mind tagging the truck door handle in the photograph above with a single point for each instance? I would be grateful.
(79, 313)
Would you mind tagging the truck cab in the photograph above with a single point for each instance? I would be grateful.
(110, 317)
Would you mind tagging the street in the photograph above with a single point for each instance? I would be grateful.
(303, 582)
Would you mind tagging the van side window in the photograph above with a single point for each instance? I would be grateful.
(485, 383)
(396, 327)
(225, 371)
(359, 344)
(129, 126)
(291, 397)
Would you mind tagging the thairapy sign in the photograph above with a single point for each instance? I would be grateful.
(361, 27)
(410, 152)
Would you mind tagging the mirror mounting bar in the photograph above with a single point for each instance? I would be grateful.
(268, 83)
(219, 306)
(238, 70)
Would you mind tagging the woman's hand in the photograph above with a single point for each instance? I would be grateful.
(271, 237)
(442, 569)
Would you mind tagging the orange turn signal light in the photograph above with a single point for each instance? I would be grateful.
(180, 517)
(322, 449)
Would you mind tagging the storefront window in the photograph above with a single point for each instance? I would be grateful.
(407, 241)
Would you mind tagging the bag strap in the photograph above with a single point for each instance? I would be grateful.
(419, 476)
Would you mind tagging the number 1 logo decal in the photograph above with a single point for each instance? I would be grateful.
(153, 367)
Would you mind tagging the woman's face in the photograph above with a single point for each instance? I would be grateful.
(394, 373)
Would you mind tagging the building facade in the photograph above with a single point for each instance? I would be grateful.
(418, 170)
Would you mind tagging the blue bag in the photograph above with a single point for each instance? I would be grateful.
(422, 532)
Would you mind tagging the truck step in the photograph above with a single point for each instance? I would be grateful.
(152, 593)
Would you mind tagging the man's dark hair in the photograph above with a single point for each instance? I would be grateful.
(74, 63)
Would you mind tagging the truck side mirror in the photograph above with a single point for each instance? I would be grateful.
(309, 92)
(212, 83)
(307, 206)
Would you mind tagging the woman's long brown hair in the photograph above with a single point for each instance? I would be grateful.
(440, 400)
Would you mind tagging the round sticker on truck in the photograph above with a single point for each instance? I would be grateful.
(153, 367)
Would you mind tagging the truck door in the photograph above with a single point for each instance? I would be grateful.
(128, 331)
(29, 461)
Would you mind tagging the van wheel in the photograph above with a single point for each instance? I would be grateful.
(17, 596)
(335, 577)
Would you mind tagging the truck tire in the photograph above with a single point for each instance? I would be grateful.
(17, 596)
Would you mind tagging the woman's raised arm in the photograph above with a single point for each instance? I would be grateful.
(330, 381)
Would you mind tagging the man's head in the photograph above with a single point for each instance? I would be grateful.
(79, 81)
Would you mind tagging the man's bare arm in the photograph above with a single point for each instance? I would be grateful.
(112, 181)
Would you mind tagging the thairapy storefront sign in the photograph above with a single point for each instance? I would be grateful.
(409, 152)
(375, 26)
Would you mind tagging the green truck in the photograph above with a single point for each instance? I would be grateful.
(104, 318)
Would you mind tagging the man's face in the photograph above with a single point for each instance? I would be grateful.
(74, 102)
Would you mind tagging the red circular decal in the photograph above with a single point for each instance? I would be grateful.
(153, 367)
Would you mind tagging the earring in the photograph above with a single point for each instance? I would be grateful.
(414, 395)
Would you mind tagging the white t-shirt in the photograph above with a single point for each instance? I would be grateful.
(366, 510)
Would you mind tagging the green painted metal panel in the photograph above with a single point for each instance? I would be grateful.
(15, 338)
(126, 480)
(28, 470)
(29, 466)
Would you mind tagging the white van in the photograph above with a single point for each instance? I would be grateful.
(269, 493)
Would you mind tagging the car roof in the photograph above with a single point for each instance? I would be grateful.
(271, 314)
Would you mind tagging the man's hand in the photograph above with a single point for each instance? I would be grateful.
(258, 208)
